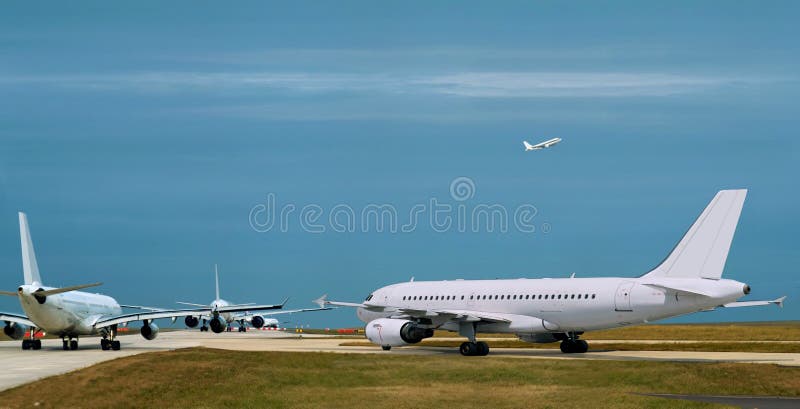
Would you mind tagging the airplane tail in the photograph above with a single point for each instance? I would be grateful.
(30, 268)
(703, 250)
(216, 281)
(528, 146)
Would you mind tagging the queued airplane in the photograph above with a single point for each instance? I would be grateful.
(221, 322)
(546, 144)
(550, 310)
(69, 313)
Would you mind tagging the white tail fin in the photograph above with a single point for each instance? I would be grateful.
(216, 281)
(29, 267)
(528, 146)
(703, 250)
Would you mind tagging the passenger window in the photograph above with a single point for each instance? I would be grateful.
(527, 295)
(593, 296)
(502, 297)
(572, 297)
(545, 297)
(462, 297)
(559, 296)
(579, 296)
(586, 296)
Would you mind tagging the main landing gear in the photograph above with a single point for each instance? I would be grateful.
(242, 326)
(32, 342)
(471, 348)
(106, 344)
(109, 341)
(204, 327)
(479, 348)
(573, 345)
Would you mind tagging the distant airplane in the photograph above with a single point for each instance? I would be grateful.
(546, 144)
(68, 313)
(221, 322)
(550, 310)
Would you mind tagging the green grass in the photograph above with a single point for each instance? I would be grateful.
(199, 377)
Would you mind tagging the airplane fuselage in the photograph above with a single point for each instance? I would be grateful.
(69, 314)
(558, 305)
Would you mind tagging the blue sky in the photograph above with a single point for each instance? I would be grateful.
(139, 138)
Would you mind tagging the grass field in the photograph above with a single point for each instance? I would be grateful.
(199, 377)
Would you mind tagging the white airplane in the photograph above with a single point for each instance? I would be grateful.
(546, 144)
(70, 314)
(550, 310)
(222, 321)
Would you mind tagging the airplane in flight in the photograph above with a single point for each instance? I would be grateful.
(69, 313)
(546, 144)
(223, 320)
(550, 310)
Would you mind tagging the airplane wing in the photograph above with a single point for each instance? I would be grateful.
(441, 314)
(248, 315)
(19, 319)
(141, 307)
(157, 314)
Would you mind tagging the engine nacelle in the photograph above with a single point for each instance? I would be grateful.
(396, 332)
(14, 330)
(191, 321)
(149, 331)
(257, 321)
(218, 324)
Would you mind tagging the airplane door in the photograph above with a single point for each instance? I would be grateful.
(622, 300)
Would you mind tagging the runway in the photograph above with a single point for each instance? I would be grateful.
(21, 367)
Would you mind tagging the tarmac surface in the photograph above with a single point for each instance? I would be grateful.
(20, 367)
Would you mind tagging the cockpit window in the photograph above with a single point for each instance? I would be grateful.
(369, 297)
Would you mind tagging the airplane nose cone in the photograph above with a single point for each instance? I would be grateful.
(746, 289)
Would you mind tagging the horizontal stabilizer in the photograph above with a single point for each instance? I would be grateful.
(8, 293)
(778, 302)
(54, 291)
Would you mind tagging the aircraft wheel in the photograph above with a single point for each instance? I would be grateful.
(567, 346)
(483, 348)
(115, 345)
(104, 344)
(468, 349)
(582, 346)
(73, 345)
(65, 345)
(37, 344)
(386, 347)
(26, 344)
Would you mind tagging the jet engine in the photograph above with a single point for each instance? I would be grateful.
(191, 321)
(149, 331)
(218, 324)
(14, 330)
(390, 332)
(257, 321)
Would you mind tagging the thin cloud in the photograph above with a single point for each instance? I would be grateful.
(468, 85)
